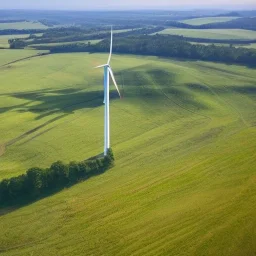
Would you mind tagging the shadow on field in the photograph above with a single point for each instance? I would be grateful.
(75, 173)
(156, 84)
(50, 102)
(243, 89)
(38, 183)
(251, 65)
(145, 81)
(47, 102)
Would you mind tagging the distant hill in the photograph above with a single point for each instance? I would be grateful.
(240, 23)
(229, 14)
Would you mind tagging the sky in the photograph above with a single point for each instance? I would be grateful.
(125, 4)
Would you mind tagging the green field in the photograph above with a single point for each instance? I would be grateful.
(207, 20)
(212, 33)
(4, 39)
(252, 46)
(7, 56)
(184, 138)
(23, 25)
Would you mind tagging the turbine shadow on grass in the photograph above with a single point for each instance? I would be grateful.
(157, 84)
(249, 65)
(61, 101)
(48, 102)
(242, 89)
(51, 102)
(142, 81)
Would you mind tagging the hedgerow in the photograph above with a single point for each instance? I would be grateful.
(37, 182)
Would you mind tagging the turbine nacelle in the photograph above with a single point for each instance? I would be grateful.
(102, 66)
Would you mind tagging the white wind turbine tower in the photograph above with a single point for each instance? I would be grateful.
(108, 71)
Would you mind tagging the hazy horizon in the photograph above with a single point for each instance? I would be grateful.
(123, 5)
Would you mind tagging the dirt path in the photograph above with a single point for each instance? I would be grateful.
(9, 143)
(2, 149)
(26, 58)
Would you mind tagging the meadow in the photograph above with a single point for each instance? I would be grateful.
(212, 33)
(207, 20)
(4, 39)
(253, 46)
(184, 140)
(8, 56)
(23, 25)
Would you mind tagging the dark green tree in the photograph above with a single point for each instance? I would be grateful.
(74, 172)
(60, 173)
(35, 181)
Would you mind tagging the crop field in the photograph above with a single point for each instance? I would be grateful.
(22, 25)
(207, 20)
(4, 39)
(184, 139)
(212, 33)
(7, 56)
(252, 46)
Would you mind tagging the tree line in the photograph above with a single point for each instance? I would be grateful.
(221, 41)
(166, 46)
(20, 31)
(248, 23)
(37, 182)
(72, 34)
(13, 21)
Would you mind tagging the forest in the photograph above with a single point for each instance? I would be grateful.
(166, 46)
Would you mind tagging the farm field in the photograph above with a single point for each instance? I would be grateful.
(4, 39)
(252, 46)
(22, 25)
(7, 56)
(184, 140)
(207, 20)
(212, 33)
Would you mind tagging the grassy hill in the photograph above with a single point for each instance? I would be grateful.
(207, 20)
(184, 139)
(212, 33)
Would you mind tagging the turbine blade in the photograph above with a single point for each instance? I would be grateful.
(111, 46)
(114, 80)
(101, 66)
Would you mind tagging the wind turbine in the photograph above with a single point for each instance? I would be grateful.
(108, 71)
